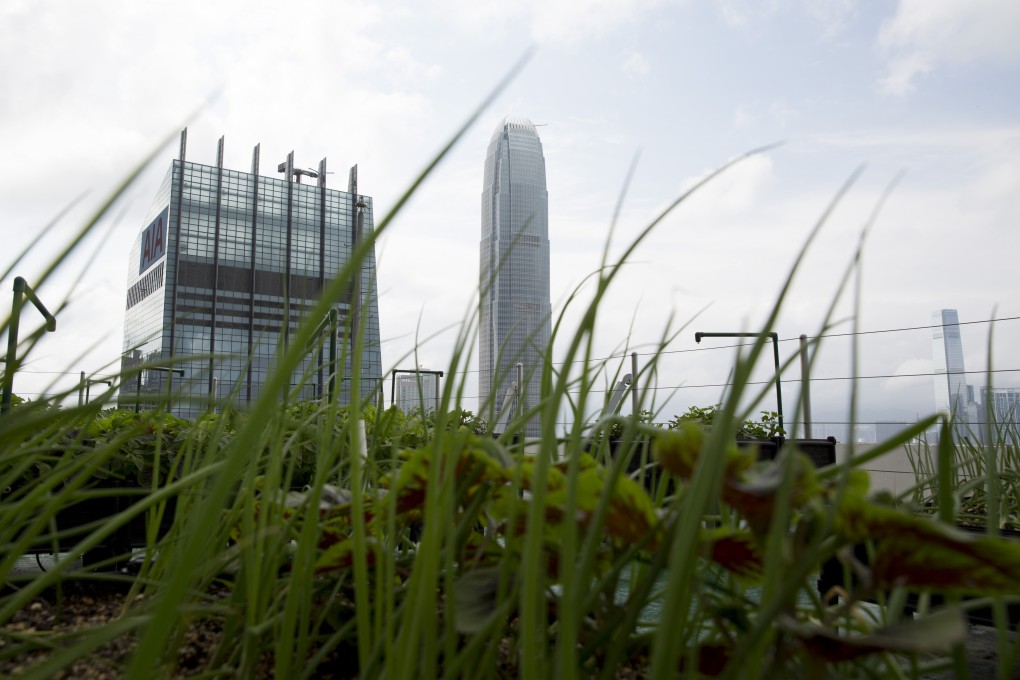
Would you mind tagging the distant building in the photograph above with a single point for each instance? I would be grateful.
(865, 433)
(950, 374)
(1004, 402)
(416, 390)
(822, 429)
(514, 281)
(887, 430)
(225, 269)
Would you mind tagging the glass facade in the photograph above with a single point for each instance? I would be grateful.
(514, 272)
(950, 374)
(1004, 403)
(226, 269)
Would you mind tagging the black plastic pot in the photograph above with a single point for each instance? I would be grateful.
(832, 574)
(93, 512)
(822, 452)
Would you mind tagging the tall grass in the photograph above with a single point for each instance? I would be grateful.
(463, 555)
(955, 475)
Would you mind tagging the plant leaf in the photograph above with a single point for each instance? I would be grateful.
(932, 634)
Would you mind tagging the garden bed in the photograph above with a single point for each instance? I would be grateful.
(833, 575)
(78, 519)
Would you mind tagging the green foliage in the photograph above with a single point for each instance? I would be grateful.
(619, 426)
(766, 427)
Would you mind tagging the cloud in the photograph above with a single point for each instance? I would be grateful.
(925, 34)
(550, 22)
(744, 13)
(735, 191)
(832, 15)
(636, 63)
(902, 72)
(777, 113)
(571, 21)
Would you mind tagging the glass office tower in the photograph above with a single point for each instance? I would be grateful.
(950, 374)
(227, 266)
(1004, 403)
(514, 280)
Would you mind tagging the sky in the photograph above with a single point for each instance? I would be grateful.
(918, 95)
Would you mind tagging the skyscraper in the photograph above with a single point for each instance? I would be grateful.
(226, 267)
(514, 280)
(1004, 403)
(950, 375)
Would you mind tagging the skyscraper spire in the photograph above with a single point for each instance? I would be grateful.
(514, 272)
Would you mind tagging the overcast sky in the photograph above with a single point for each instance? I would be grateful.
(926, 88)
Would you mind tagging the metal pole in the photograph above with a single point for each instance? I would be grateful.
(520, 389)
(169, 373)
(88, 386)
(81, 388)
(12, 350)
(21, 291)
(356, 295)
(633, 384)
(805, 389)
(416, 371)
(334, 358)
(779, 388)
(138, 392)
(775, 353)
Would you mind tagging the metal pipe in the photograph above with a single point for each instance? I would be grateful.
(805, 389)
(90, 382)
(138, 383)
(633, 384)
(775, 353)
(356, 293)
(21, 291)
(393, 382)
(520, 390)
(330, 323)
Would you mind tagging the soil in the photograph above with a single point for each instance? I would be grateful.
(62, 617)
(58, 619)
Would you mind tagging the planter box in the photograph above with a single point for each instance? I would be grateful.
(822, 452)
(95, 511)
(832, 575)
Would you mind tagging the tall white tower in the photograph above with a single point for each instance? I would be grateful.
(950, 375)
(514, 280)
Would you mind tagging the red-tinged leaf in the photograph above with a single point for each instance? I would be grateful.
(932, 634)
(631, 514)
(341, 556)
(678, 450)
(736, 551)
(755, 496)
(920, 552)
(712, 658)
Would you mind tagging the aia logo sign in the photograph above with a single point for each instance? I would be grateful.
(154, 240)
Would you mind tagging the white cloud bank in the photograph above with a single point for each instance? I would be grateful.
(550, 22)
(926, 34)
